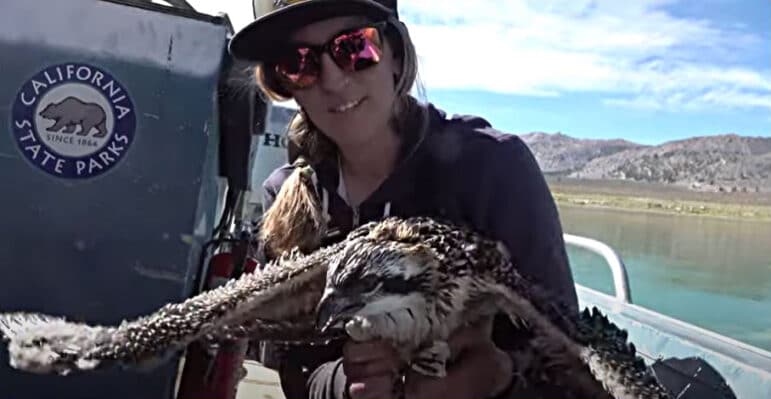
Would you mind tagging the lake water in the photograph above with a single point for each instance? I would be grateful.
(710, 272)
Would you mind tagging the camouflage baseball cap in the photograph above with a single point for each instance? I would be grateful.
(277, 18)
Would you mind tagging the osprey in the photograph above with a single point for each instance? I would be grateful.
(412, 281)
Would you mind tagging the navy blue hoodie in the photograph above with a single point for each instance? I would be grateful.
(460, 169)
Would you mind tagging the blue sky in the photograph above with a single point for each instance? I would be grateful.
(644, 70)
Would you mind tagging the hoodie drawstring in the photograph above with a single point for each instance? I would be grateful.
(355, 209)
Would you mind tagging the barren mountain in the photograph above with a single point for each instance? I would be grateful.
(561, 154)
(710, 163)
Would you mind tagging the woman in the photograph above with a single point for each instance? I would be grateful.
(372, 150)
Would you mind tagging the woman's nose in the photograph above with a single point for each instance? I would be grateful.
(332, 77)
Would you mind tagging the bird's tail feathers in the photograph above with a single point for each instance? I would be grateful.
(614, 360)
(557, 341)
(593, 341)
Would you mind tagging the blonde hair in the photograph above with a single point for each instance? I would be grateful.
(295, 218)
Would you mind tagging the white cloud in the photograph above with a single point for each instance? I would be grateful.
(633, 52)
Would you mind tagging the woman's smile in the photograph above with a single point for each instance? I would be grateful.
(345, 107)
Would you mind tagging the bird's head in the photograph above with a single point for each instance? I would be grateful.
(371, 277)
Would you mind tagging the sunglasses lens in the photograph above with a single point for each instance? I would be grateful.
(352, 51)
(298, 68)
(357, 50)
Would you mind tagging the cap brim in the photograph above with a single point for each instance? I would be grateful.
(256, 41)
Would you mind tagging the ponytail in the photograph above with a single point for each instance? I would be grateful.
(295, 220)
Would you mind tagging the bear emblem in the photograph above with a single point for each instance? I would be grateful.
(72, 112)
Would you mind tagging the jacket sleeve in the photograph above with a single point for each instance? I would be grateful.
(517, 207)
(328, 381)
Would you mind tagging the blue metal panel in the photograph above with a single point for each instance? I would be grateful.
(105, 228)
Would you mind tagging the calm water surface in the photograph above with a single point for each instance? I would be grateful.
(710, 272)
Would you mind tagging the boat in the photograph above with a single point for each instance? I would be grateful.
(90, 270)
(665, 342)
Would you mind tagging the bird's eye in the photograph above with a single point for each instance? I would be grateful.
(368, 283)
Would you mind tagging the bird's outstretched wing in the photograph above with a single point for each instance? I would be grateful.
(249, 305)
(45, 344)
(413, 281)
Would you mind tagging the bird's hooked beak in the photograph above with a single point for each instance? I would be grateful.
(334, 311)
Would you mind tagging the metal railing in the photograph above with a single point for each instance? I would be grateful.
(617, 268)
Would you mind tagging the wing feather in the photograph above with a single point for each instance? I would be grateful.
(44, 344)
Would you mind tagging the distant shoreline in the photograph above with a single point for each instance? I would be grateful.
(660, 199)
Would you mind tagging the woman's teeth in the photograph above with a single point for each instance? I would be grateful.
(347, 106)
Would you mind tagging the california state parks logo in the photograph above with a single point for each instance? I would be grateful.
(73, 120)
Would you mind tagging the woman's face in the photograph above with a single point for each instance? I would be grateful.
(351, 108)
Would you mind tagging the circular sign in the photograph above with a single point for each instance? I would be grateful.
(73, 121)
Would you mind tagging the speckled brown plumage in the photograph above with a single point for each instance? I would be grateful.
(413, 281)
(417, 280)
(46, 344)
